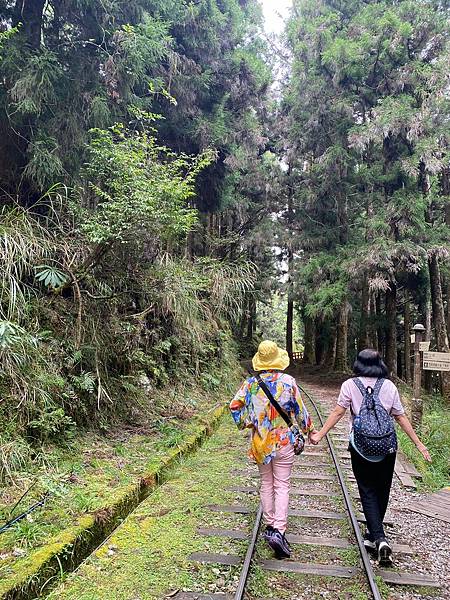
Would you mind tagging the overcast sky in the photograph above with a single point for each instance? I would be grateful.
(274, 12)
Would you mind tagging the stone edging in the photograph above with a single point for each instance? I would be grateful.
(66, 550)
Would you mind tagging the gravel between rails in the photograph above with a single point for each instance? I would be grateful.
(429, 537)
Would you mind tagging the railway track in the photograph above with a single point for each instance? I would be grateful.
(197, 537)
(328, 469)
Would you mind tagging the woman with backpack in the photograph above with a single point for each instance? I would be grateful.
(269, 404)
(373, 400)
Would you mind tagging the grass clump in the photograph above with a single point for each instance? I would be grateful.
(435, 434)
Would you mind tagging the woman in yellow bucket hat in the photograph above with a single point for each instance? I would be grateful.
(271, 439)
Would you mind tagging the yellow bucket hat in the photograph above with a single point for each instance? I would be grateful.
(270, 356)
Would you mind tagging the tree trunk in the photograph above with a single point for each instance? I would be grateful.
(446, 192)
(243, 321)
(407, 334)
(447, 287)
(373, 333)
(309, 356)
(363, 337)
(400, 365)
(341, 359)
(328, 358)
(289, 326)
(290, 261)
(391, 329)
(439, 318)
(251, 318)
(319, 344)
(30, 13)
(380, 328)
(428, 375)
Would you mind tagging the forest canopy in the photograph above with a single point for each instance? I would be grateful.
(163, 198)
(128, 130)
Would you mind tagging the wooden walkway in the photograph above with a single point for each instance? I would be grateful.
(436, 505)
(405, 471)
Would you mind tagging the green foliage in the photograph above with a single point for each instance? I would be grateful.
(44, 165)
(15, 456)
(6, 35)
(435, 434)
(367, 120)
(50, 276)
(271, 323)
(23, 243)
(49, 424)
(122, 124)
(134, 183)
(171, 434)
(36, 88)
(199, 65)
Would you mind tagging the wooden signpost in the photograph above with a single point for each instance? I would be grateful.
(436, 361)
(416, 403)
(432, 361)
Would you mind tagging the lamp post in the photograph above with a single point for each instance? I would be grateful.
(417, 404)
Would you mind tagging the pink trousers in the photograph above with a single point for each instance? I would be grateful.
(275, 485)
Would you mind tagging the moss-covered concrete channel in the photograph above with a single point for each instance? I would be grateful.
(36, 574)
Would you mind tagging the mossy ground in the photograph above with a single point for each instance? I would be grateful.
(88, 476)
(147, 556)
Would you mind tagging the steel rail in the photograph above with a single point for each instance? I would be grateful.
(240, 591)
(354, 521)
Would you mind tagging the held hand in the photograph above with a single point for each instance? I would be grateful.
(310, 434)
(314, 438)
(424, 452)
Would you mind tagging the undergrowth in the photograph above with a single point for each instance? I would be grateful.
(87, 473)
(435, 434)
(100, 307)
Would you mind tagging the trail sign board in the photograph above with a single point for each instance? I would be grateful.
(424, 346)
(436, 361)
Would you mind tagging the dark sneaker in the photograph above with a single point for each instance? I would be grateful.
(268, 532)
(286, 542)
(279, 545)
(384, 553)
(369, 544)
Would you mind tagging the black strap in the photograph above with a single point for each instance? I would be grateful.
(272, 400)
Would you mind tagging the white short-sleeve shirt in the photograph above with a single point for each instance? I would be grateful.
(389, 396)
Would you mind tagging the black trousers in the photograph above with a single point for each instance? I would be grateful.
(374, 481)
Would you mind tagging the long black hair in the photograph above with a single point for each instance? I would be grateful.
(369, 363)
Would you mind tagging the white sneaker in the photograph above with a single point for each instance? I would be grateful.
(384, 553)
(370, 546)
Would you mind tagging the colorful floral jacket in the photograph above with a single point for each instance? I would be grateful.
(251, 408)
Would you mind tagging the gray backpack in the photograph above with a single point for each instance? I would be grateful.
(373, 429)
